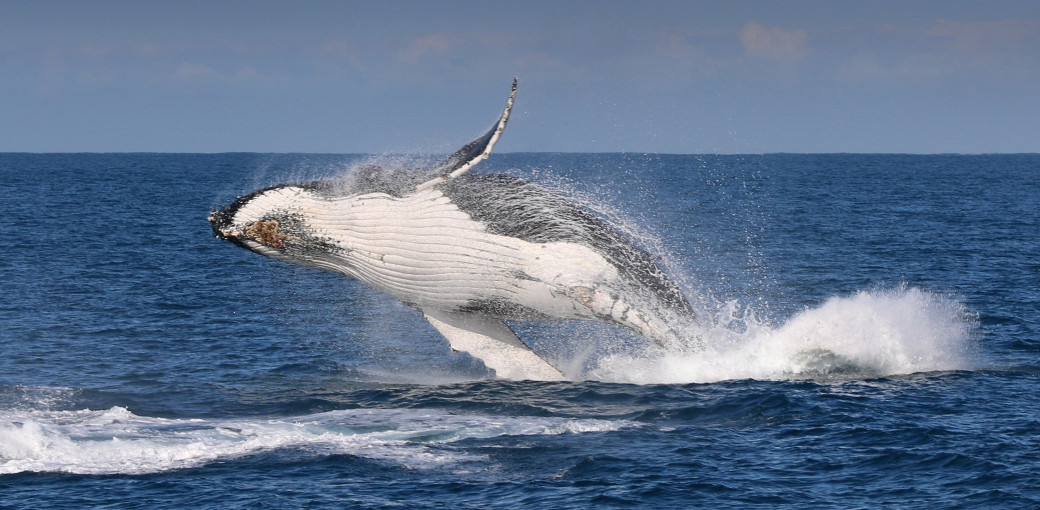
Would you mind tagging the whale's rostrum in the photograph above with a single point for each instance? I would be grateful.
(469, 251)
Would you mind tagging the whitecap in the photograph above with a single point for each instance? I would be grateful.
(116, 441)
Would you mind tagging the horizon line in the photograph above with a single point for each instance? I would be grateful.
(646, 153)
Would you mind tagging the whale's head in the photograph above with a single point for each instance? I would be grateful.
(271, 222)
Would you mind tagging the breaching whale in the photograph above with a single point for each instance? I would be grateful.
(469, 251)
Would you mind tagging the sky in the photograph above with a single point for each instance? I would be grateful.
(687, 77)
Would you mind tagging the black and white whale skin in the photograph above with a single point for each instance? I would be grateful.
(469, 251)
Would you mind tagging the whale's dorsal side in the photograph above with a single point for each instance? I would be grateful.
(473, 152)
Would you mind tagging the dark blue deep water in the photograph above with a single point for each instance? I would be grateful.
(871, 339)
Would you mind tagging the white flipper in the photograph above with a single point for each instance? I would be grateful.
(474, 152)
(491, 341)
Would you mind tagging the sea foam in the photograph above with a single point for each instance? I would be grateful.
(868, 334)
(117, 441)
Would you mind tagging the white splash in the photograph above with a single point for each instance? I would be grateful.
(116, 441)
(880, 333)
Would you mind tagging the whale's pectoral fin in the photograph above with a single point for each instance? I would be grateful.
(473, 152)
(491, 341)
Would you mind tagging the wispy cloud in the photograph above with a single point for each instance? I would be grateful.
(191, 72)
(984, 34)
(188, 73)
(942, 50)
(433, 44)
(676, 45)
(774, 43)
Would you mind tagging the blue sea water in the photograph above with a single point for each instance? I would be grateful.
(871, 339)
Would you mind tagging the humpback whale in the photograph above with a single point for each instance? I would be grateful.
(469, 251)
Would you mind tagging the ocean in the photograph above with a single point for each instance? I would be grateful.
(871, 338)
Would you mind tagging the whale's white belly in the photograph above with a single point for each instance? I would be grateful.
(423, 250)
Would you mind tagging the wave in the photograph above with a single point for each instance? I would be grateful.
(869, 334)
(116, 441)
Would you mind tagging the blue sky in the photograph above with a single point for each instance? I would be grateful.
(427, 76)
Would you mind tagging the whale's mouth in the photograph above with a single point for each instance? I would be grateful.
(220, 221)
(224, 229)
